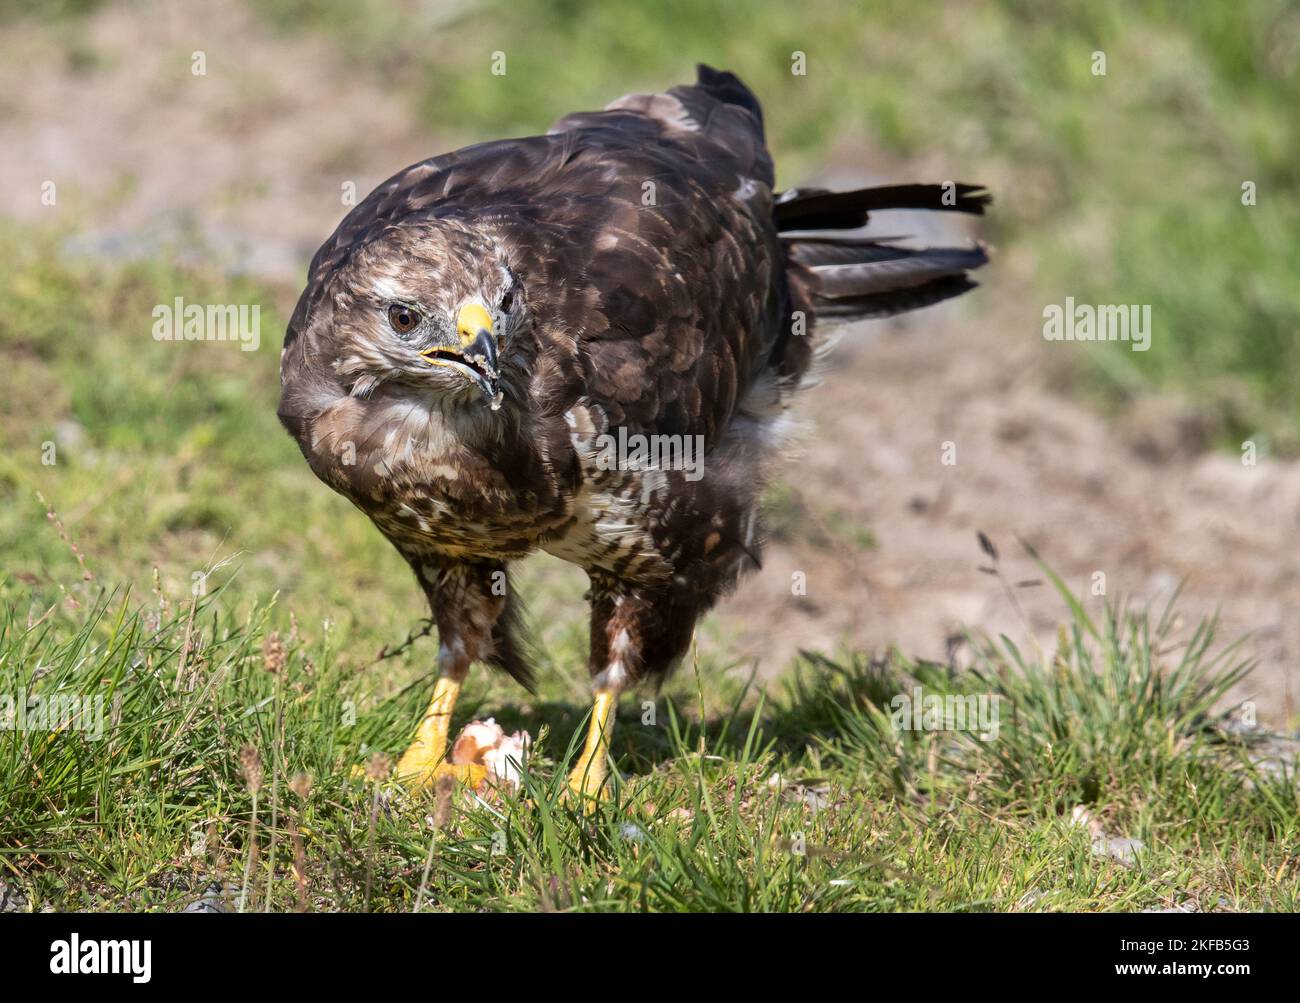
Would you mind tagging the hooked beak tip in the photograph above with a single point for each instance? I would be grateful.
(483, 352)
(475, 358)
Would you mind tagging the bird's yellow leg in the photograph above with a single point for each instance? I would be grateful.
(588, 778)
(423, 761)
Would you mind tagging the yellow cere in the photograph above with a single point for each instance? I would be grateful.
(472, 319)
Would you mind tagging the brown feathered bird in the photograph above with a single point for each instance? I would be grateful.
(585, 343)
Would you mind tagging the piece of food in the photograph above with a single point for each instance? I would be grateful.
(486, 744)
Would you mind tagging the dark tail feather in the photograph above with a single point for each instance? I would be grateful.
(896, 301)
(906, 270)
(818, 209)
(858, 278)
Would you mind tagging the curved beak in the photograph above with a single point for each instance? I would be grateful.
(474, 327)
(476, 357)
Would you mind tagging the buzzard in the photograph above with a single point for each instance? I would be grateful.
(585, 343)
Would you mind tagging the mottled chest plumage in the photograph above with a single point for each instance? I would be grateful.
(426, 519)
(432, 485)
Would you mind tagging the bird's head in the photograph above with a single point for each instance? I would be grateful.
(427, 310)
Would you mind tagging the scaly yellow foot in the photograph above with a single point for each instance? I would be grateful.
(588, 780)
(424, 761)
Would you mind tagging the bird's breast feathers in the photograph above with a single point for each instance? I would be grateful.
(429, 492)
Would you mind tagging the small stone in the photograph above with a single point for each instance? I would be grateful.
(216, 898)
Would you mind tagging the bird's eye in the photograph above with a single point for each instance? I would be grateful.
(508, 300)
(403, 319)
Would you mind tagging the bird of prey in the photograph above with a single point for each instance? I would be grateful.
(519, 346)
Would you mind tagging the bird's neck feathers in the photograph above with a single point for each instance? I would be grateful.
(355, 443)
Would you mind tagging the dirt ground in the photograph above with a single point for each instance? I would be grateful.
(246, 164)
(1029, 464)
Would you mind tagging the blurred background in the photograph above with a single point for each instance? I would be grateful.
(131, 178)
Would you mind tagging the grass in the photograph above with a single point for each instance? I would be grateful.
(868, 817)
